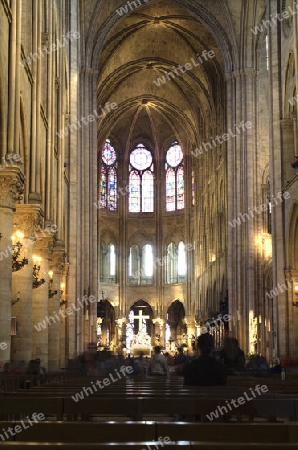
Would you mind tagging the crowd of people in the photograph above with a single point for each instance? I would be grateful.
(33, 367)
(205, 367)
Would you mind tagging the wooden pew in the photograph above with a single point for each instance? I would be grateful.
(88, 432)
(92, 432)
(183, 445)
(19, 407)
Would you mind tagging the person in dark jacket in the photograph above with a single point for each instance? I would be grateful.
(205, 370)
(232, 357)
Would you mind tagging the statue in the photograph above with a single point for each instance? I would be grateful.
(141, 343)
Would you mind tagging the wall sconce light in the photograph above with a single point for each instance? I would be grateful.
(36, 269)
(16, 250)
(51, 293)
(62, 299)
(13, 302)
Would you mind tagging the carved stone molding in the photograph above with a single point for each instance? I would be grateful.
(65, 269)
(58, 257)
(28, 219)
(11, 186)
(291, 275)
(45, 243)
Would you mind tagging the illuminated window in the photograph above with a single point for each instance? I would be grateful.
(174, 178)
(140, 267)
(171, 272)
(108, 178)
(176, 263)
(108, 263)
(181, 262)
(193, 197)
(147, 261)
(141, 185)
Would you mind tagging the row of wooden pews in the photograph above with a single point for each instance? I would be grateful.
(135, 412)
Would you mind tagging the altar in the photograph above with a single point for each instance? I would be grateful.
(141, 342)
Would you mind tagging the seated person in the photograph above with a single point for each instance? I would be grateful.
(158, 364)
(205, 370)
(232, 357)
(258, 366)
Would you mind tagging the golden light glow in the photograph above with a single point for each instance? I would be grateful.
(264, 244)
(51, 274)
(19, 235)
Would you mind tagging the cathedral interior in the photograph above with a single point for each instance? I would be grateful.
(148, 177)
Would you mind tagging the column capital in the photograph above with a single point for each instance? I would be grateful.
(11, 186)
(28, 218)
(45, 243)
(58, 257)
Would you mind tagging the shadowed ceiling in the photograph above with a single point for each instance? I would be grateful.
(147, 42)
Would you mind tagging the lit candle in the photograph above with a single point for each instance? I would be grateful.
(51, 274)
(13, 238)
(34, 259)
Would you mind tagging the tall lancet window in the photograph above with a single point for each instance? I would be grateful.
(174, 178)
(108, 177)
(181, 262)
(141, 186)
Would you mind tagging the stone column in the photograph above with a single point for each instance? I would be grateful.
(56, 266)
(40, 297)
(27, 219)
(11, 186)
(64, 336)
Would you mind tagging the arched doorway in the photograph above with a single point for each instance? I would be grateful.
(176, 329)
(139, 319)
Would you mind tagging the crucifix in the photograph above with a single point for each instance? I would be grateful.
(141, 317)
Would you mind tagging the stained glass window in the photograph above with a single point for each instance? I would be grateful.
(141, 158)
(141, 180)
(174, 178)
(103, 187)
(108, 178)
(180, 188)
(170, 189)
(134, 191)
(147, 192)
(174, 155)
(108, 153)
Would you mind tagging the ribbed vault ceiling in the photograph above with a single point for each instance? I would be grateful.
(149, 41)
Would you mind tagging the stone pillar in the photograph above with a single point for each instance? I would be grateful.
(64, 336)
(56, 266)
(40, 298)
(27, 219)
(11, 186)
